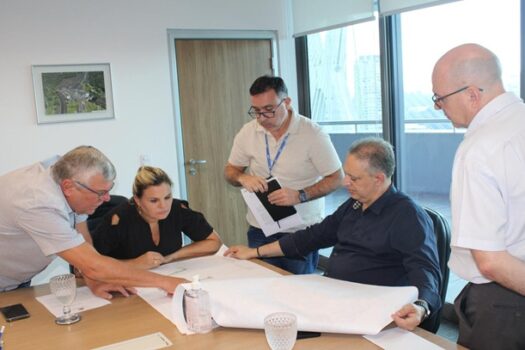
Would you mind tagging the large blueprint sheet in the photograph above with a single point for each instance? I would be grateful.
(320, 303)
(243, 293)
(208, 268)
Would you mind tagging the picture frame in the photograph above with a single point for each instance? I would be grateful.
(72, 92)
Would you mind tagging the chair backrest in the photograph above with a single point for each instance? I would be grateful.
(94, 219)
(442, 232)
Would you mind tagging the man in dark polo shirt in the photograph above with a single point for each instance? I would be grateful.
(380, 236)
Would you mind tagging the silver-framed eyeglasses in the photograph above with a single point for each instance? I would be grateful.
(100, 194)
(438, 99)
(264, 113)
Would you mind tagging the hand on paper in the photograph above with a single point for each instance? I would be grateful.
(171, 284)
(148, 260)
(284, 197)
(103, 290)
(241, 252)
(253, 183)
(409, 316)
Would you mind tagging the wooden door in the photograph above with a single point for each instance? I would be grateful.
(214, 77)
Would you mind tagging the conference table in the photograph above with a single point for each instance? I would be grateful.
(132, 317)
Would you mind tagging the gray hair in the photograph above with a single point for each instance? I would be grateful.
(378, 153)
(83, 161)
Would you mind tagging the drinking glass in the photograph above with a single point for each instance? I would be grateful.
(281, 330)
(64, 287)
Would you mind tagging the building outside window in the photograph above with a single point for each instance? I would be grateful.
(345, 89)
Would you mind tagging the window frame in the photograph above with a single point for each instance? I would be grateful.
(391, 85)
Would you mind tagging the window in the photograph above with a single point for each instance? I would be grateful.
(344, 83)
(345, 79)
(345, 89)
(428, 141)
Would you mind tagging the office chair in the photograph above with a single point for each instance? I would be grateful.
(94, 219)
(442, 232)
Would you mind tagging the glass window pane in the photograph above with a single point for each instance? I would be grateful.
(429, 140)
(345, 89)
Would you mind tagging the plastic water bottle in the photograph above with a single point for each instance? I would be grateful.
(197, 308)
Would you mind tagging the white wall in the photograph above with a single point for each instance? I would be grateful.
(132, 36)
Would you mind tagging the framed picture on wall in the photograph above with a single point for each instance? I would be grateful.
(72, 92)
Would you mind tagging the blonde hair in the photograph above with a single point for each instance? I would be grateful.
(149, 176)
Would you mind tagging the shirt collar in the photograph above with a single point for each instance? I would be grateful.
(491, 111)
(67, 207)
(382, 201)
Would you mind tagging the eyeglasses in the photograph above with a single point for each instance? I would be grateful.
(267, 114)
(437, 99)
(100, 194)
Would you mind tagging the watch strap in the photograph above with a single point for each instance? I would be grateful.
(424, 305)
(303, 197)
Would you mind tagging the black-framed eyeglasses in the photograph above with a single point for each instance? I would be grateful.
(267, 114)
(437, 99)
(100, 194)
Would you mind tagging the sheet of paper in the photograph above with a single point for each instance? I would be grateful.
(268, 225)
(85, 300)
(214, 267)
(242, 293)
(400, 339)
(148, 342)
(321, 304)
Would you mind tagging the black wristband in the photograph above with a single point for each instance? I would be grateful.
(258, 254)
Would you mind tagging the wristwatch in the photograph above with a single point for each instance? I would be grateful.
(303, 197)
(424, 305)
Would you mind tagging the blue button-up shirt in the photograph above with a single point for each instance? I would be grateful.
(391, 243)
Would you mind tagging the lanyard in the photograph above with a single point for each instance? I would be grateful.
(268, 159)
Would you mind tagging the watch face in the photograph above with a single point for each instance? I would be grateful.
(302, 196)
(424, 305)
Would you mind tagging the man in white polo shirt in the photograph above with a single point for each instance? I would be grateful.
(290, 147)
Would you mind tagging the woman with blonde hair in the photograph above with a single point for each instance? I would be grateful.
(146, 231)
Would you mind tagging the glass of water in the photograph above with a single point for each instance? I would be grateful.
(64, 288)
(281, 330)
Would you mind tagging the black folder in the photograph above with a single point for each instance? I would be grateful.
(277, 212)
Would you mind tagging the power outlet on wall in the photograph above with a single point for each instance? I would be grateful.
(144, 159)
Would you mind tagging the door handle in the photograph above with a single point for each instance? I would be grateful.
(192, 162)
(197, 161)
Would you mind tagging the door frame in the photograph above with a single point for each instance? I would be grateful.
(174, 34)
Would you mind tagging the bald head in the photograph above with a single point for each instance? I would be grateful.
(469, 64)
(474, 68)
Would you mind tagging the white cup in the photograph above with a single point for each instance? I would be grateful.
(281, 330)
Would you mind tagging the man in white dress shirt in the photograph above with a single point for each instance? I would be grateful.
(487, 197)
(43, 208)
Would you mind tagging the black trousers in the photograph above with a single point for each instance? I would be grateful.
(490, 317)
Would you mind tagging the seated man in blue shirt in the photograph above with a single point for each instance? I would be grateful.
(380, 236)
